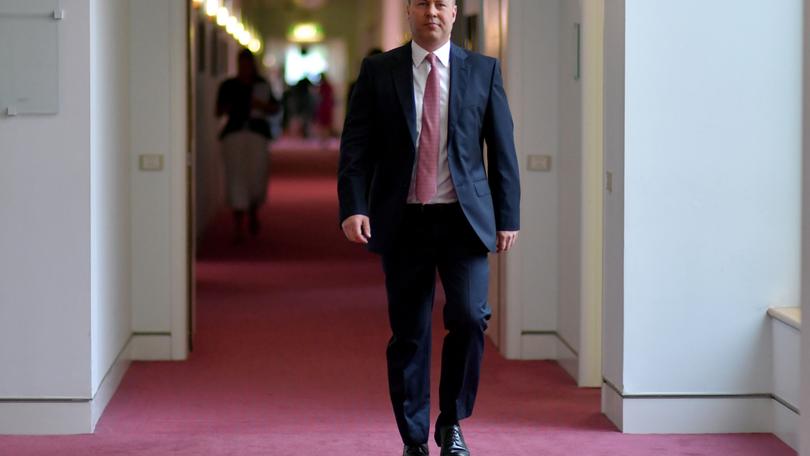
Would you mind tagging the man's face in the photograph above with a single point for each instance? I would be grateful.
(431, 21)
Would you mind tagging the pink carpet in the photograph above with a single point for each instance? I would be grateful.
(290, 360)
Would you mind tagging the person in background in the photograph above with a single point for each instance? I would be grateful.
(326, 106)
(247, 101)
(299, 107)
(276, 80)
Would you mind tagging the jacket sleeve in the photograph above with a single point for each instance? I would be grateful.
(504, 178)
(356, 160)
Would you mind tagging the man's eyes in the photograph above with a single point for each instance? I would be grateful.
(439, 5)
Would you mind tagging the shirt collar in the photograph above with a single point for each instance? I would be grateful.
(419, 54)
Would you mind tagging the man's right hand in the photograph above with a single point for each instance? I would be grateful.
(357, 228)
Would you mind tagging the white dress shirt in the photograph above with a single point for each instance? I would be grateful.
(445, 191)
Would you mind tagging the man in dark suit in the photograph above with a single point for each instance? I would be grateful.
(412, 167)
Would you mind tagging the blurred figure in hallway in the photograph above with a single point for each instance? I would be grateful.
(326, 107)
(299, 107)
(277, 87)
(247, 101)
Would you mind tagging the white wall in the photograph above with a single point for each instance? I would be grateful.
(711, 199)
(45, 233)
(110, 209)
(592, 194)
(158, 116)
(805, 353)
(64, 272)
(531, 283)
(613, 261)
(546, 291)
(712, 190)
(569, 167)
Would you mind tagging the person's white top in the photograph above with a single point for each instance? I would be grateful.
(445, 191)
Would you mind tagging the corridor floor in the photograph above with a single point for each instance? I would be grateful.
(289, 359)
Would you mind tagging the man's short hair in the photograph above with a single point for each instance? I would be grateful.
(408, 2)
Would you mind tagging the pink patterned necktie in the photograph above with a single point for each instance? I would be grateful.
(428, 163)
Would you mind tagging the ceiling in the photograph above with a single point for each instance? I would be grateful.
(274, 17)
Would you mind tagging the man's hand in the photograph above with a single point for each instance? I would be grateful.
(357, 228)
(506, 239)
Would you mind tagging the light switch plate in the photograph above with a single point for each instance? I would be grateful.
(539, 162)
(150, 162)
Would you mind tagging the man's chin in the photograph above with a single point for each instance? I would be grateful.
(431, 38)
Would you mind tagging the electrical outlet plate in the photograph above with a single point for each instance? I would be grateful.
(150, 162)
(539, 163)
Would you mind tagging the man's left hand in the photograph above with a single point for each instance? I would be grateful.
(506, 239)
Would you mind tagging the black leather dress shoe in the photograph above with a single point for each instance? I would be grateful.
(415, 450)
(452, 441)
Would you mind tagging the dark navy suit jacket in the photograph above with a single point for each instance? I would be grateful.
(378, 145)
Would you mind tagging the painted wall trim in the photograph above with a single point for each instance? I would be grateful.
(548, 345)
(556, 334)
(655, 413)
(179, 160)
(773, 396)
(152, 346)
(63, 415)
(108, 386)
(786, 425)
(45, 418)
(690, 415)
(803, 428)
(589, 369)
(612, 406)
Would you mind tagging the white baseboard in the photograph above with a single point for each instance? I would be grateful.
(786, 340)
(59, 416)
(696, 415)
(786, 425)
(109, 385)
(549, 346)
(684, 414)
(612, 406)
(41, 417)
(568, 359)
(538, 346)
(544, 345)
(151, 347)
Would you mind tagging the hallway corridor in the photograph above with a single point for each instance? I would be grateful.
(289, 359)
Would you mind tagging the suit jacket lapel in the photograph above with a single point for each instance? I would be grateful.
(459, 71)
(403, 80)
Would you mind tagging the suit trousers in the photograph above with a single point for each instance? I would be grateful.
(435, 238)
